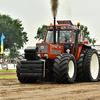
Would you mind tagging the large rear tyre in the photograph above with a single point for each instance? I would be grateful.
(80, 63)
(91, 66)
(65, 68)
(20, 78)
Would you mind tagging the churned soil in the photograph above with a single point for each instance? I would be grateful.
(12, 89)
(7, 73)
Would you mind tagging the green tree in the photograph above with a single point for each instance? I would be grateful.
(12, 54)
(85, 34)
(13, 32)
(41, 32)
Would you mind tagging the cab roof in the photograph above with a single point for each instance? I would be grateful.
(65, 22)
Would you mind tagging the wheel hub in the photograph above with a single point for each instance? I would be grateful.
(71, 68)
(94, 66)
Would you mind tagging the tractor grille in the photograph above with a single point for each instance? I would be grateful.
(42, 48)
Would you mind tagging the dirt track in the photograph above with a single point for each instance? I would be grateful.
(7, 73)
(11, 89)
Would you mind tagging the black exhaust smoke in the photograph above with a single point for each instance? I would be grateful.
(54, 7)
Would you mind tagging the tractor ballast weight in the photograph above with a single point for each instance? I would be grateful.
(30, 67)
(62, 57)
(31, 53)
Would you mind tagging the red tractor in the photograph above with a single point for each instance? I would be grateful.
(62, 57)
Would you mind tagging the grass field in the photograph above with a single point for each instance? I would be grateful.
(9, 70)
(8, 76)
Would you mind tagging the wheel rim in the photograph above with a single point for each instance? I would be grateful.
(71, 69)
(94, 66)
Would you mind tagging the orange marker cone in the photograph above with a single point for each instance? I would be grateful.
(6, 69)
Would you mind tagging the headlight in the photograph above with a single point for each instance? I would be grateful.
(45, 55)
(39, 55)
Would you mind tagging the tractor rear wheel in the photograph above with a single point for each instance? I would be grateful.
(80, 63)
(91, 66)
(20, 78)
(65, 68)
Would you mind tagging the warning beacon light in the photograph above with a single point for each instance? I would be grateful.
(51, 24)
(78, 24)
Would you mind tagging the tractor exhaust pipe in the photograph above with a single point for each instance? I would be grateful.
(54, 31)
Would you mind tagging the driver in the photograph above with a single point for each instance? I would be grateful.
(62, 38)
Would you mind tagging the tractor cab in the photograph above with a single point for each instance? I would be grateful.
(67, 38)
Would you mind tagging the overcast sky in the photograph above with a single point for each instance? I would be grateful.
(35, 13)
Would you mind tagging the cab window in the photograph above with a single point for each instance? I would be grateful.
(65, 36)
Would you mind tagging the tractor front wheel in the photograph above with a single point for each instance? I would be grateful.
(65, 68)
